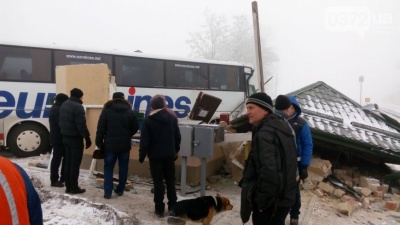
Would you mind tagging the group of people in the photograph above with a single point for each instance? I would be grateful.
(160, 140)
(281, 152)
(68, 130)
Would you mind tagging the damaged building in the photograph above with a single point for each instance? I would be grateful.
(343, 128)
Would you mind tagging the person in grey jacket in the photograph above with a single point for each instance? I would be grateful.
(115, 128)
(73, 129)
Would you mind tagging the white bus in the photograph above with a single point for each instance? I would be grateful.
(27, 87)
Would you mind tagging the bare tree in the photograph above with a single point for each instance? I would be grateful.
(209, 42)
(217, 40)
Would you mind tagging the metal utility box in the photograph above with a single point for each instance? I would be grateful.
(198, 140)
(203, 142)
(186, 141)
(204, 138)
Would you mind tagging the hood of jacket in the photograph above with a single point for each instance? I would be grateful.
(161, 115)
(118, 105)
(296, 106)
(275, 121)
(75, 99)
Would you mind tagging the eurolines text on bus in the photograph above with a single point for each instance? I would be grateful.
(42, 105)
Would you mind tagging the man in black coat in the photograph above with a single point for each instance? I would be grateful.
(160, 141)
(57, 142)
(269, 177)
(115, 128)
(73, 129)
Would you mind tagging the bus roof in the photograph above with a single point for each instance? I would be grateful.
(128, 53)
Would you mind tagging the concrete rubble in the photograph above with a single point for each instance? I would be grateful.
(371, 189)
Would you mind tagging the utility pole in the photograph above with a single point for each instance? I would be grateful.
(256, 28)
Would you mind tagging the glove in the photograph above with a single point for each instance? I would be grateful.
(176, 156)
(88, 142)
(303, 172)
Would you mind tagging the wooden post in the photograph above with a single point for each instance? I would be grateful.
(257, 41)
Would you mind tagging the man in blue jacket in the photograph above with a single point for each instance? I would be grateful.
(291, 107)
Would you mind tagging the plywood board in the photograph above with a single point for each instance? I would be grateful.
(93, 79)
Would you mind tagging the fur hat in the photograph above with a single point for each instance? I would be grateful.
(76, 92)
(61, 97)
(157, 102)
(282, 102)
(118, 95)
(261, 99)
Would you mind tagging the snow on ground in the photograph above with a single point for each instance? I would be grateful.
(136, 207)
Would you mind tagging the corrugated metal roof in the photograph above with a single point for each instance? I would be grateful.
(335, 118)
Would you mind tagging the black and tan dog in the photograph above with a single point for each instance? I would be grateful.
(201, 209)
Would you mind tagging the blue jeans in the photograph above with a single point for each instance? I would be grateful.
(110, 159)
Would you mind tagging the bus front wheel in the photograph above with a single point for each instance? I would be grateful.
(28, 139)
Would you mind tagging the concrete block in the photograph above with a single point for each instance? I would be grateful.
(387, 196)
(375, 187)
(318, 192)
(320, 166)
(346, 198)
(366, 192)
(338, 193)
(315, 178)
(345, 208)
(368, 181)
(308, 185)
(365, 203)
(378, 194)
(326, 188)
(392, 205)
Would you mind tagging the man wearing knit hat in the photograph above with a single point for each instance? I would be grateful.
(115, 128)
(160, 141)
(73, 128)
(289, 107)
(269, 178)
(57, 142)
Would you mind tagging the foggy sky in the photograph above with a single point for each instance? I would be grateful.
(331, 41)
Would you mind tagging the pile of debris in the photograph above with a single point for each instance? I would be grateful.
(349, 187)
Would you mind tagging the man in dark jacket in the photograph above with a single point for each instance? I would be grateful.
(115, 128)
(57, 142)
(291, 108)
(271, 165)
(160, 141)
(73, 129)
